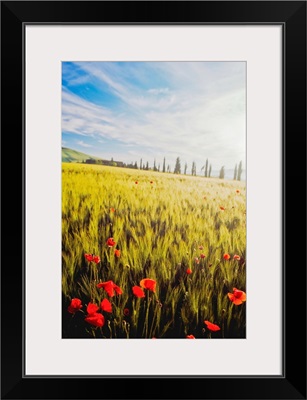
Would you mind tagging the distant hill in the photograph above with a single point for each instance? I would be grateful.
(69, 155)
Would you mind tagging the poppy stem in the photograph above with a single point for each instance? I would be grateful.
(146, 315)
(91, 289)
(110, 329)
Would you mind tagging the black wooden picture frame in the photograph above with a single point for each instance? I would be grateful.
(15, 15)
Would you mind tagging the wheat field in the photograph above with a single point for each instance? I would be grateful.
(184, 235)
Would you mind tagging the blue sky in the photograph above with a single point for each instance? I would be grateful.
(150, 110)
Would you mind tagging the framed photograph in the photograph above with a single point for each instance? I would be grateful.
(161, 153)
(164, 255)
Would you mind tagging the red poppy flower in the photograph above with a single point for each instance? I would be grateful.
(110, 242)
(236, 257)
(95, 319)
(106, 306)
(149, 284)
(212, 327)
(189, 271)
(138, 292)
(110, 288)
(237, 297)
(75, 305)
(136, 182)
(190, 337)
(117, 289)
(222, 208)
(92, 308)
(89, 257)
(117, 253)
(226, 256)
(201, 247)
(202, 255)
(96, 259)
(126, 312)
(92, 257)
(112, 210)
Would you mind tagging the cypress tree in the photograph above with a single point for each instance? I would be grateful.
(222, 173)
(177, 169)
(193, 168)
(206, 168)
(235, 173)
(239, 171)
(185, 168)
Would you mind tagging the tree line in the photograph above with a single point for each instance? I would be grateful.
(206, 168)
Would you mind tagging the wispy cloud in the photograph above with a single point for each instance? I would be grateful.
(83, 144)
(192, 110)
(158, 91)
(83, 117)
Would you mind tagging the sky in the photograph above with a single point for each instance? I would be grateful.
(130, 111)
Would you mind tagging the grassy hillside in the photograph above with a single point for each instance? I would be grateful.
(69, 155)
